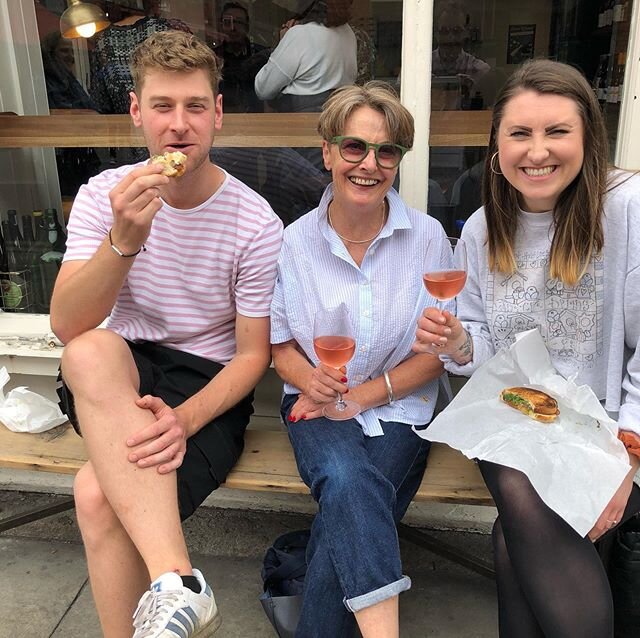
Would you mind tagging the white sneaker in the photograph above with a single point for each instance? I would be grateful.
(171, 610)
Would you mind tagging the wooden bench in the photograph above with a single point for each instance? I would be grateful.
(267, 465)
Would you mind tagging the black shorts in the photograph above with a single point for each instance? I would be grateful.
(174, 376)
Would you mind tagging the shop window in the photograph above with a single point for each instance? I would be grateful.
(476, 46)
(88, 79)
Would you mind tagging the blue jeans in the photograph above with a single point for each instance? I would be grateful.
(363, 486)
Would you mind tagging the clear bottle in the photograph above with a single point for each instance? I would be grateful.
(27, 232)
(12, 218)
(51, 254)
(57, 238)
(16, 292)
(4, 271)
(40, 245)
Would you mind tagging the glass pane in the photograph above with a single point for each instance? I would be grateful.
(279, 56)
(340, 42)
(478, 45)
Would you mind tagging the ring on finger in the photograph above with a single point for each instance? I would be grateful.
(612, 523)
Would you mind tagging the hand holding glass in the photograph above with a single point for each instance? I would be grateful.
(445, 268)
(335, 345)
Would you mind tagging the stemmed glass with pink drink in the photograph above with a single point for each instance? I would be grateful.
(445, 268)
(334, 344)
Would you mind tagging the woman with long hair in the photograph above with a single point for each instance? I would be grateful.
(555, 247)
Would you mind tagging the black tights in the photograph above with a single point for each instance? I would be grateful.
(551, 582)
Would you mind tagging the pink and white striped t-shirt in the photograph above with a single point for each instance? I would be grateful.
(201, 266)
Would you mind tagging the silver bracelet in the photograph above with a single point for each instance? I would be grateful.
(387, 382)
(118, 252)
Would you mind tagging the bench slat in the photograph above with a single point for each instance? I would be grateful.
(267, 464)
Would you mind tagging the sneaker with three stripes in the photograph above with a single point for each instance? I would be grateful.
(171, 610)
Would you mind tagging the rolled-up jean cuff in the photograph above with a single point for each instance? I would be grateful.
(378, 595)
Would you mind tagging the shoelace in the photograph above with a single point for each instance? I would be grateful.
(152, 607)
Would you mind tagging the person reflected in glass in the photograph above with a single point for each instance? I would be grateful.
(456, 72)
(555, 247)
(242, 59)
(64, 91)
(316, 54)
(111, 81)
(362, 247)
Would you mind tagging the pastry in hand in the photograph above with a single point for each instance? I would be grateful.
(534, 403)
(174, 164)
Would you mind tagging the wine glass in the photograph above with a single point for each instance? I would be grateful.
(445, 268)
(335, 344)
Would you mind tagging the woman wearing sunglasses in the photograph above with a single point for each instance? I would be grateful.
(362, 247)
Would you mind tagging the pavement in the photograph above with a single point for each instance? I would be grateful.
(44, 590)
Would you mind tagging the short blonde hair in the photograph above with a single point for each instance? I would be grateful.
(174, 51)
(378, 96)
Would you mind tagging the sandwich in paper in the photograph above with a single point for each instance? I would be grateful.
(534, 403)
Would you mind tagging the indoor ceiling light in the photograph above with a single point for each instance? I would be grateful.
(82, 20)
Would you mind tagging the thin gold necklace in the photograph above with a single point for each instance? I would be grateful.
(358, 241)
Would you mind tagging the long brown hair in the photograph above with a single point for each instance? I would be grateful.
(577, 215)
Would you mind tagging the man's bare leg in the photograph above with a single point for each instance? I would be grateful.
(99, 369)
(117, 572)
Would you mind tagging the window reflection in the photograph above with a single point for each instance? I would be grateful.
(279, 56)
(457, 73)
(476, 46)
(241, 56)
(316, 54)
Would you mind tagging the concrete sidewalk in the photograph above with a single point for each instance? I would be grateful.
(44, 592)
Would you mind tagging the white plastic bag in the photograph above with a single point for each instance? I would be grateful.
(25, 411)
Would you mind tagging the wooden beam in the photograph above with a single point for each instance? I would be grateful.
(65, 129)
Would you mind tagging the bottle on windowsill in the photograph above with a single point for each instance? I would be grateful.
(17, 295)
(40, 245)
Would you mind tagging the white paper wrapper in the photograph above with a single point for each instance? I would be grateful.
(25, 411)
(575, 463)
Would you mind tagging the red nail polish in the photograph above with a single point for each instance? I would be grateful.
(346, 391)
(344, 379)
(304, 416)
(291, 418)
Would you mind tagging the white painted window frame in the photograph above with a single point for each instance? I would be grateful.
(627, 154)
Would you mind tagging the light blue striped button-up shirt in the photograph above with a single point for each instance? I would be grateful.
(385, 296)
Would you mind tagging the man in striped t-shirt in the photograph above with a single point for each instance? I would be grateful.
(183, 268)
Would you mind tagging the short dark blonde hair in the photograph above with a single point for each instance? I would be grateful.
(174, 51)
(378, 96)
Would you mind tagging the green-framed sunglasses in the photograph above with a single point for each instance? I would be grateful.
(354, 150)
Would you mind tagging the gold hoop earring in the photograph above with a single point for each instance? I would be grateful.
(493, 157)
